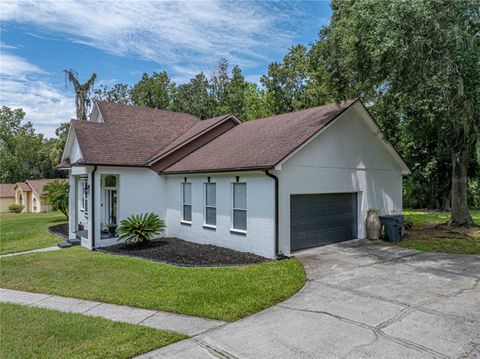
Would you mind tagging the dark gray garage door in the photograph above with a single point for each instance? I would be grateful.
(318, 219)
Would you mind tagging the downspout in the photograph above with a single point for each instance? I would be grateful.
(93, 207)
(278, 254)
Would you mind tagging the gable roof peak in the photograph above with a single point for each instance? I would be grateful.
(259, 144)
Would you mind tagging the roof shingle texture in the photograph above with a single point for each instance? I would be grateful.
(6, 190)
(259, 144)
(38, 184)
(24, 186)
(129, 135)
(190, 133)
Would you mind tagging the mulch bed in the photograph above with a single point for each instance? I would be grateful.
(184, 253)
(60, 229)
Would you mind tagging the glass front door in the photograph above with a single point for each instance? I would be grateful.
(109, 203)
(111, 206)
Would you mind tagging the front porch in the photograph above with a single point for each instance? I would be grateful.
(93, 207)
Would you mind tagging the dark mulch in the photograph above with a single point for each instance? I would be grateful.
(60, 229)
(184, 253)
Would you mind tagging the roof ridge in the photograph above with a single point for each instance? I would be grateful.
(146, 108)
(343, 103)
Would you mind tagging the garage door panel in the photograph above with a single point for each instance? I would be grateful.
(318, 219)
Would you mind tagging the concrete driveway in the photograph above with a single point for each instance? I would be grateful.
(362, 300)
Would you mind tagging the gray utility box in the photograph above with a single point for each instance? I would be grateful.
(393, 225)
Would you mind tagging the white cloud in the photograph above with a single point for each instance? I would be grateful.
(12, 65)
(186, 37)
(25, 85)
(170, 33)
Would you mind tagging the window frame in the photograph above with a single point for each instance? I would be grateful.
(233, 209)
(184, 203)
(205, 191)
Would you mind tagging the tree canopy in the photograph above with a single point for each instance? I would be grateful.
(415, 64)
(25, 153)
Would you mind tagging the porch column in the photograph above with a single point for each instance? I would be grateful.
(72, 206)
(94, 208)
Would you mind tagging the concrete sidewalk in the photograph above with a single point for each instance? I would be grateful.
(178, 323)
(48, 249)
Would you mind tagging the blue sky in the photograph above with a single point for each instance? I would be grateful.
(120, 40)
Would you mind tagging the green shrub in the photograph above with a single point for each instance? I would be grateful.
(140, 228)
(474, 193)
(16, 208)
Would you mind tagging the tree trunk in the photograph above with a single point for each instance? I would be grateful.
(460, 215)
(446, 203)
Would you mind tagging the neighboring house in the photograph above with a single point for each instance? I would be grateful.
(7, 196)
(270, 186)
(29, 194)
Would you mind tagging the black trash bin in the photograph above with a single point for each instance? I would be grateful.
(393, 225)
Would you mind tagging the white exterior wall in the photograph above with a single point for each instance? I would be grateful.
(347, 157)
(76, 154)
(259, 238)
(140, 190)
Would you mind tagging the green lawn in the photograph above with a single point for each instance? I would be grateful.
(426, 237)
(419, 216)
(25, 231)
(28, 332)
(226, 293)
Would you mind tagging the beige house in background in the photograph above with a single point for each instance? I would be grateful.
(28, 194)
(7, 196)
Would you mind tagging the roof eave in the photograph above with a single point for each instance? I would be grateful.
(87, 163)
(220, 170)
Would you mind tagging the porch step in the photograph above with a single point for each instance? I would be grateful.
(69, 242)
(74, 242)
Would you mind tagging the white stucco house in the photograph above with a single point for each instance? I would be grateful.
(272, 186)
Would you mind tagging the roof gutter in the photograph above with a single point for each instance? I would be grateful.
(278, 254)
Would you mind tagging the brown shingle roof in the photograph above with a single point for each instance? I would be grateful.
(24, 186)
(191, 133)
(6, 190)
(64, 164)
(38, 184)
(259, 144)
(129, 135)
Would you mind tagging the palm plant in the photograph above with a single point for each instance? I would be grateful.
(140, 228)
